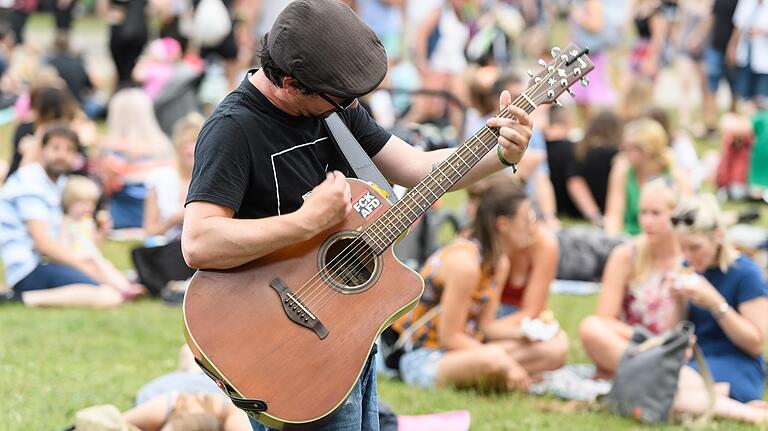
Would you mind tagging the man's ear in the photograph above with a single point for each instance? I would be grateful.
(289, 84)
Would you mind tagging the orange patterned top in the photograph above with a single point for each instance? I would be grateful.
(426, 336)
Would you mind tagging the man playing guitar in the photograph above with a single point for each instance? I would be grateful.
(266, 173)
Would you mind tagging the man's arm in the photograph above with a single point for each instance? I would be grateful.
(404, 165)
(212, 239)
(49, 247)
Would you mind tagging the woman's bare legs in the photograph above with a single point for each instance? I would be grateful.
(692, 398)
(73, 295)
(604, 342)
(509, 362)
(539, 356)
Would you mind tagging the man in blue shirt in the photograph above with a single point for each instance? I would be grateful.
(39, 268)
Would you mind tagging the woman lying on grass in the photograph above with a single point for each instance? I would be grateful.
(462, 343)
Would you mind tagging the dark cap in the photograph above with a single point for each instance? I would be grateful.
(327, 47)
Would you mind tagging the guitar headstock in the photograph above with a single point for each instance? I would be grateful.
(566, 68)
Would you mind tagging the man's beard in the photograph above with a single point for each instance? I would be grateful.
(54, 170)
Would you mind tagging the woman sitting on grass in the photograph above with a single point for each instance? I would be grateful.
(462, 343)
(632, 292)
(725, 295)
(644, 156)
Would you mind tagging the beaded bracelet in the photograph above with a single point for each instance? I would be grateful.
(504, 161)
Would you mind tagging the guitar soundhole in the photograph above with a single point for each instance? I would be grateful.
(348, 263)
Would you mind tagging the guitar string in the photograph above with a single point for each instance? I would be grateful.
(376, 234)
(346, 258)
(357, 267)
(353, 250)
(362, 264)
(359, 264)
(476, 136)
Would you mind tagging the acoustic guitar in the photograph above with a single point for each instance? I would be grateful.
(287, 335)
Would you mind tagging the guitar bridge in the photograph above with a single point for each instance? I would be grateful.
(296, 310)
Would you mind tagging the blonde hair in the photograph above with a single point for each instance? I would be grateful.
(638, 96)
(652, 137)
(187, 126)
(641, 261)
(78, 189)
(701, 214)
(131, 118)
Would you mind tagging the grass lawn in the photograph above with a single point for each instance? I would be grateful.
(54, 362)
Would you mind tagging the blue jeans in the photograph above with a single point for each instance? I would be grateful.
(752, 85)
(714, 63)
(50, 276)
(361, 409)
(127, 206)
(506, 310)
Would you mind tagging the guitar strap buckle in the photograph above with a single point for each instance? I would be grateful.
(249, 405)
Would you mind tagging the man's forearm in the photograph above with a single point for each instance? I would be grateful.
(223, 242)
(57, 253)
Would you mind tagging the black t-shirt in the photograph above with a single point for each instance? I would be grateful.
(72, 70)
(723, 26)
(260, 161)
(595, 168)
(561, 168)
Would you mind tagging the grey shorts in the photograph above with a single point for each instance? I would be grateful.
(419, 367)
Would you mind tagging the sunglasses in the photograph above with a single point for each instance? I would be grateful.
(343, 106)
(687, 219)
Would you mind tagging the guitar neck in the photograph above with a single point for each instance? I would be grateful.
(383, 232)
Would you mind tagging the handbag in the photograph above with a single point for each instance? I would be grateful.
(209, 25)
(156, 266)
(645, 382)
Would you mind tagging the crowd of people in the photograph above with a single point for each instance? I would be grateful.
(96, 155)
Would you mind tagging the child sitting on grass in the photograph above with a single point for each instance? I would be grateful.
(82, 233)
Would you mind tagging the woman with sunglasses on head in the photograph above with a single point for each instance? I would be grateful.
(644, 155)
(725, 295)
(633, 292)
(453, 336)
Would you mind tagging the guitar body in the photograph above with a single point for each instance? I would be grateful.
(239, 327)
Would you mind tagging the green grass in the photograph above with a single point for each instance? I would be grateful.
(54, 362)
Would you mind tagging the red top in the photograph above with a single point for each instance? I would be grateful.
(513, 294)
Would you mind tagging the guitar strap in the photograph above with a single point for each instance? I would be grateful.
(357, 158)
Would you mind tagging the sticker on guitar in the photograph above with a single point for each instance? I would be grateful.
(366, 204)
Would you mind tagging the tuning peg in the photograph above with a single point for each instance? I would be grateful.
(570, 92)
(530, 74)
(555, 52)
(550, 94)
(563, 82)
(557, 103)
(584, 81)
(577, 71)
(542, 63)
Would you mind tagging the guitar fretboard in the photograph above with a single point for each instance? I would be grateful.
(383, 232)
